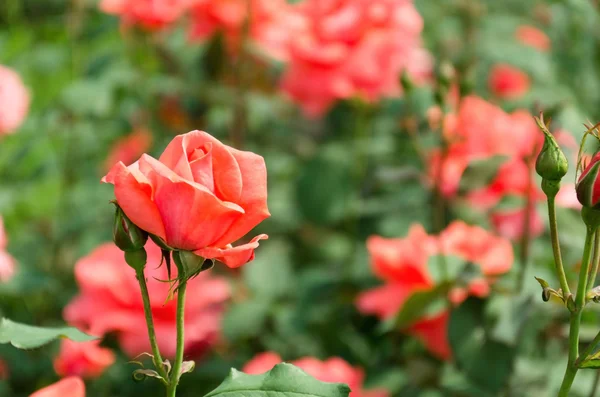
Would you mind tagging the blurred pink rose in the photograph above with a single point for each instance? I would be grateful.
(67, 387)
(110, 301)
(349, 48)
(86, 359)
(128, 149)
(533, 37)
(14, 101)
(511, 223)
(149, 14)
(7, 262)
(403, 264)
(331, 370)
(270, 22)
(508, 82)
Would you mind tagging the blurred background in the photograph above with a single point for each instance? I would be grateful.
(372, 116)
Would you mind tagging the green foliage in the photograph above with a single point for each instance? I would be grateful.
(25, 336)
(284, 380)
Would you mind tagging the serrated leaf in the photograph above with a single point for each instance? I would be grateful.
(23, 336)
(284, 380)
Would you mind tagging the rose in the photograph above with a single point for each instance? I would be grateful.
(85, 359)
(588, 187)
(68, 387)
(199, 196)
(14, 101)
(508, 82)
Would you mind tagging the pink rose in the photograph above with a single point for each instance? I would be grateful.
(403, 264)
(349, 48)
(508, 82)
(128, 149)
(14, 101)
(331, 370)
(200, 196)
(533, 37)
(110, 301)
(67, 387)
(86, 360)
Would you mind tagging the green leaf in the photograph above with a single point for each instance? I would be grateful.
(284, 380)
(480, 173)
(473, 347)
(417, 305)
(24, 336)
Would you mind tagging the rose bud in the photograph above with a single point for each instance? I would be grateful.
(126, 235)
(588, 186)
(551, 163)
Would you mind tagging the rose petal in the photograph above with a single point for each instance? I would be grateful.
(233, 256)
(134, 195)
(68, 387)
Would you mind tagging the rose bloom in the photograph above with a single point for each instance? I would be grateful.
(508, 82)
(271, 23)
(200, 196)
(128, 149)
(67, 387)
(14, 101)
(110, 301)
(7, 262)
(403, 264)
(331, 370)
(86, 359)
(149, 14)
(349, 48)
(533, 37)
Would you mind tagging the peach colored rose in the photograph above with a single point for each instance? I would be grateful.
(86, 360)
(14, 101)
(7, 262)
(331, 370)
(128, 149)
(67, 387)
(270, 23)
(533, 37)
(403, 264)
(348, 48)
(508, 82)
(110, 301)
(201, 196)
(149, 14)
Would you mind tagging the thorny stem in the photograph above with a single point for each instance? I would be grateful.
(595, 262)
(560, 270)
(575, 322)
(175, 374)
(156, 357)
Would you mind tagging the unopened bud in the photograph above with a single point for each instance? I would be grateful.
(588, 185)
(551, 163)
(136, 259)
(127, 235)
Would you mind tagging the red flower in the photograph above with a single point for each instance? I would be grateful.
(403, 264)
(128, 149)
(533, 37)
(14, 101)
(351, 48)
(588, 185)
(110, 301)
(149, 14)
(201, 196)
(87, 359)
(68, 387)
(331, 370)
(508, 82)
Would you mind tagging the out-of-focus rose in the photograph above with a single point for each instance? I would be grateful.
(149, 14)
(86, 360)
(349, 48)
(508, 82)
(271, 23)
(331, 370)
(511, 223)
(533, 37)
(110, 301)
(14, 101)
(7, 262)
(200, 196)
(403, 264)
(128, 149)
(67, 387)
